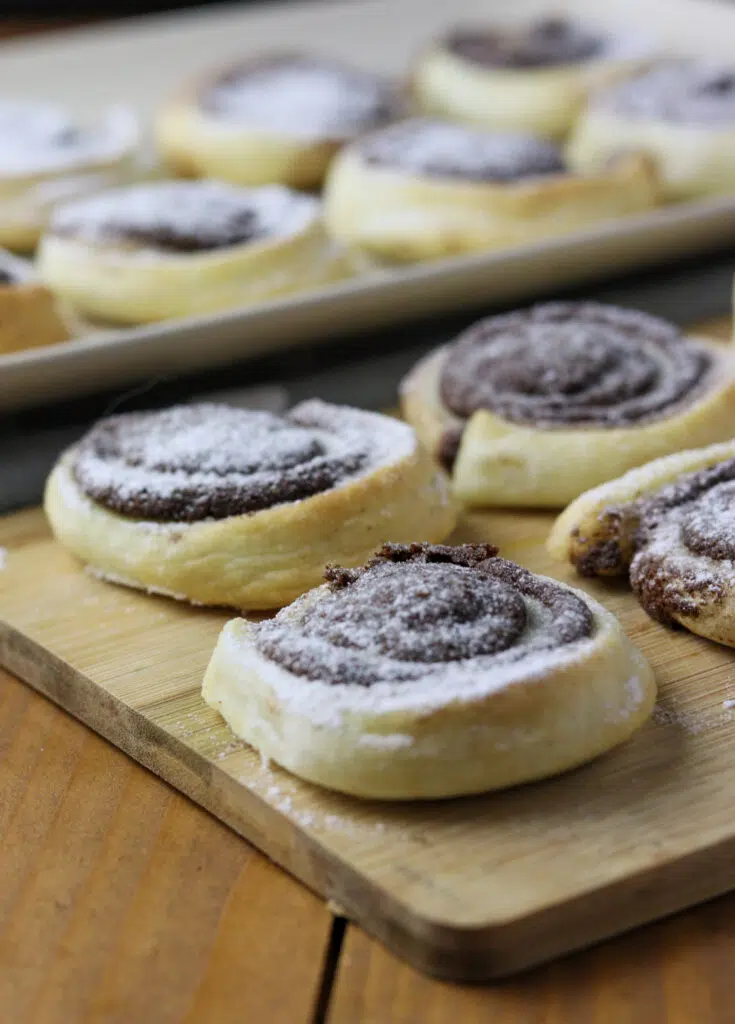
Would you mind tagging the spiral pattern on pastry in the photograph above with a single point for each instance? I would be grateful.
(185, 216)
(572, 363)
(207, 461)
(439, 149)
(420, 609)
(681, 91)
(684, 543)
(542, 43)
(301, 95)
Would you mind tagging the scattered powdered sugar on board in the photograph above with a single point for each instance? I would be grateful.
(3, 558)
(728, 705)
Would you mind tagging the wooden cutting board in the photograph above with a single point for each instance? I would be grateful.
(467, 889)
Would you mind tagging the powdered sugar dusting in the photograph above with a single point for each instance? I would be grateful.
(442, 149)
(302, 96)
(195, 462)
(186, 215)
(37, 138)
(677, 90)
(3, 558)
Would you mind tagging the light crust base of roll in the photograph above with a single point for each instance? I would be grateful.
(544, 101)
(595, 519)
(195, 145)
(584, 704)
(261, 560)
(110, 283)
(397, 216)
(693, 161)
(501, 463)
(30, 317)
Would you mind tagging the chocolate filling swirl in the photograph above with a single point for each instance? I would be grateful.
(207, 461)
(543, 43)
(438, 149)
(682, 91)
(185, 216)
(671, 542)
(417, 609)
(302, 95)
(685, 543)
(571, 364)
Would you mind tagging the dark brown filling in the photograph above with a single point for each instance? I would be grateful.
(417, 607)
(6, 276)
(179, 236)
(439, 149)
(206, 461)
(697, 511)
(544, 43)
(564, 364)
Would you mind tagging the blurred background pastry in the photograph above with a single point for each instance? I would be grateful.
(426, 189)
(682, 112)
(276, 118)
(47, 157)
(531, 77)
(169, 249)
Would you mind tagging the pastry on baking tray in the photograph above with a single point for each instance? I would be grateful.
(536, 406)
(682, 112)
(669, 526)
(425, 189)
(225, 506)
(277, 118)
(46, 157)
(30, 315)
(532, 77)
(432, 671)
(179, 248)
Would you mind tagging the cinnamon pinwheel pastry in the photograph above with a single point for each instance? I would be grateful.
(46, 157)
(534, 407)
(30, 315)
(278, 118)
(425, 189)
(681, 112)
(225, 506)
(181, 248)
(669, 526)
(532, 77)
(432, 671)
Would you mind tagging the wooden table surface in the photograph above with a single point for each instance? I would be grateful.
(121, 902)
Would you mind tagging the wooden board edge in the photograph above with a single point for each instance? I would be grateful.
(442, 950)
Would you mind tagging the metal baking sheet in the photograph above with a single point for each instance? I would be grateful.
(138, 62)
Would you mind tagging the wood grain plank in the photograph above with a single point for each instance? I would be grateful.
(122, 901)
(468, 889)
(674, 972)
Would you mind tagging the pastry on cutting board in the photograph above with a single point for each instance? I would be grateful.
(432, 671)
(670, 527)
(533, 407)
(225, 506)
(30, 315)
